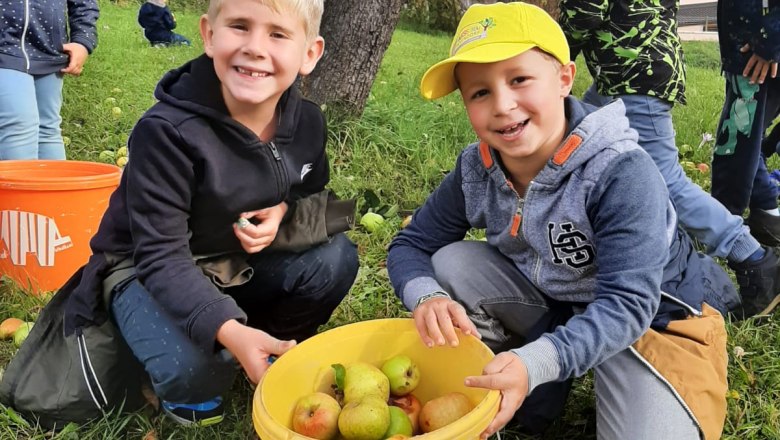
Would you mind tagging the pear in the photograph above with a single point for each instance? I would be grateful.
(362, 379)
(365, 419)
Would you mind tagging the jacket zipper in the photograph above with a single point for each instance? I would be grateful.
(88, 370)
(24, 33)
(279, 168)
(517, 218)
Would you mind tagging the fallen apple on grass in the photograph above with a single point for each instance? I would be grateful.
(371, 221)
(21, 333)
(8, 327)
(316, 415)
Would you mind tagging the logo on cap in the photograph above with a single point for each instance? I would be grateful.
(471, 33)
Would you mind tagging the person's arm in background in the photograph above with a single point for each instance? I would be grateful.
(82, 20)
(765, 45)
(579, 18)
(168, 19)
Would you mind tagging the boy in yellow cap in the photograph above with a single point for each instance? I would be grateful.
(584, 265)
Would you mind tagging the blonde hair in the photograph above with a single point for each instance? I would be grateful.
(310, 11)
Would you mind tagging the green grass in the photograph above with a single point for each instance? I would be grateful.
(398, 151)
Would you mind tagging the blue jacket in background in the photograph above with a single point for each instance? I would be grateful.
(32, 33)
(747, 21)
(157, 22)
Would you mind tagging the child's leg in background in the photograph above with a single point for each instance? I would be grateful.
(708, 221)
(179, 370)
(291, 294)
(180, 39)
(739, 175)
(48, 94)
(18, 116)
(508, 311)
(632, 403)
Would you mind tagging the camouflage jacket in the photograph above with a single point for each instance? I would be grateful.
(630, 46)
(754, 22)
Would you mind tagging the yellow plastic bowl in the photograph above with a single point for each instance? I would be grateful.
(307, 368)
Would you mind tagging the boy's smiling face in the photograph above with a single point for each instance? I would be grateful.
(257, 52)
(516, 105)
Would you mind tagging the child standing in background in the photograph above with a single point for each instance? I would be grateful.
(158, 22)
(749, 36)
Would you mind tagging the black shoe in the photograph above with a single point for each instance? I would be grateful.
(759, 285)
(764, 227)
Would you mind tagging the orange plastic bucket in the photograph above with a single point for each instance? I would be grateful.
(49, 210)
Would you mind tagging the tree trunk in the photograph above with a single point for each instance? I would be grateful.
(357, 33)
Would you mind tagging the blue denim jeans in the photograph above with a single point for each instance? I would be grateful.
(289, 296)
(739, 174)
(723, 233)
(30, 116)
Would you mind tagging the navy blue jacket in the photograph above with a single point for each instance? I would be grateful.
(746, 21)
(157, 22)
(192, 171)
(32, 33)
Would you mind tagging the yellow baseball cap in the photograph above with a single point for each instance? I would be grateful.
(495, 32)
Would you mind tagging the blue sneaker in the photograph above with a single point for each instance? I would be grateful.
(195, 414)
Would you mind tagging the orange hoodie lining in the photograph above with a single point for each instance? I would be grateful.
(572, 142)
(484, 153)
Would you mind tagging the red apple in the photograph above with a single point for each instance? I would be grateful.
(411, 406)
(703, 168)
(316, 415)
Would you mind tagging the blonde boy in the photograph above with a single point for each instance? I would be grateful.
(584, 266)
(230, 139)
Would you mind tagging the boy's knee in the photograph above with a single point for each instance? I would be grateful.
(454, 262)
(191, 380)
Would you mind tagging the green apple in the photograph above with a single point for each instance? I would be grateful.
(411, 406)
(403, 373)
(362, 379)
(365, 419)
(399, 423)
(371, 221)
(122, 151)
(444, 410)
(107, 155)
(116, 112)
(316, 415)
(21, 333)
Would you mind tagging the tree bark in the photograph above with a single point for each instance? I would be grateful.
(357, 33)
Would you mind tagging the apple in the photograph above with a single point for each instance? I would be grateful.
(411, 406)
(362, 379)
(371, 221)
(399, 423)
(316, 415)
(444, 410)
(21, 333)
(107, 155)
(703, 168)
(365, 419)
(9, 327)
(398, 437)
(122, 161)
(122, 151)
(116, 112)
(403, 373)
(405, 222)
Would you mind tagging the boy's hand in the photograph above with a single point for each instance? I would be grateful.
(251, 347)
(508, 374)
(255, 238)
(757, 67)
(77, 56)
(437, 318)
